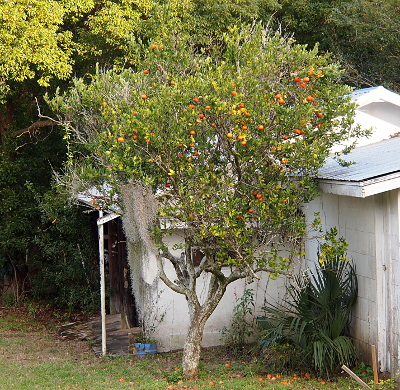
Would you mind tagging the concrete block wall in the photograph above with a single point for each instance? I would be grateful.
(372, 230)
(354, 219)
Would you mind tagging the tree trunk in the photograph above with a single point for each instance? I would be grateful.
(192, 347)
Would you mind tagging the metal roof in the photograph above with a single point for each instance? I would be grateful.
(370, 161)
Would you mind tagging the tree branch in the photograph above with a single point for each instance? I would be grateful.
(163, 276)
(35, 126)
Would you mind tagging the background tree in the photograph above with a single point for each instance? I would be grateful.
(35, 51)
(226, 144)
(362, 34)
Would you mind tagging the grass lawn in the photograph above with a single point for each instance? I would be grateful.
(33, 357)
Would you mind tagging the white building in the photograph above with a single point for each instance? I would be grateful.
(363, 202)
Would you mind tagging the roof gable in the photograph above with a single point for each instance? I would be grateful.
(379, 110)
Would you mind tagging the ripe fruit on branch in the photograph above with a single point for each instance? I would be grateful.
(192, 132)
(144, 97)
(120, 139)
(191, 106)
(196, 99)
(260, 127)
(281, 101)
(146, 71)
(234, 93)
(229, 135)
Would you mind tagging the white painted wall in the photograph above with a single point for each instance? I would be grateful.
(171, 332)
(371, 228)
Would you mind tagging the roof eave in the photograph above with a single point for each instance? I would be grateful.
(362, 188)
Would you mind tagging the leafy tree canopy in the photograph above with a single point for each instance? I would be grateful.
(33, 43)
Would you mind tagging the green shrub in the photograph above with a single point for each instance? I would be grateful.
(315, 315)
(242, 325)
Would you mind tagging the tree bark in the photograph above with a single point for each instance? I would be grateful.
(192, 347)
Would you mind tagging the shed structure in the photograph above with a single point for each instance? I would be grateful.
(363, 201)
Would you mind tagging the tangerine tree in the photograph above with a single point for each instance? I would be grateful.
(226, 139)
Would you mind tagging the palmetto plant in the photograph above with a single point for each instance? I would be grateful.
(316, 313)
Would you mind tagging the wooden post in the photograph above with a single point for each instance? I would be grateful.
(100, 222)
(102, 287)
(374, 364)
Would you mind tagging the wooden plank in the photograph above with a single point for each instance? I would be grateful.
(355, 377)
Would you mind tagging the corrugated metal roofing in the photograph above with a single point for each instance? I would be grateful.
(371, 161)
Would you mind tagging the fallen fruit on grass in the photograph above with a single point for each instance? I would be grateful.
(227, 365)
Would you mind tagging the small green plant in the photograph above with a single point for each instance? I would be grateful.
(385, 384)
(174, 376)
(363, 371)
(281, 357)
(315, 316)
(243, 321)
(144, 339)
